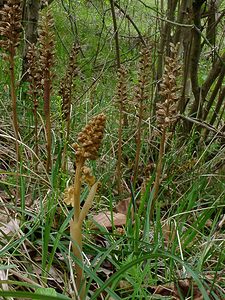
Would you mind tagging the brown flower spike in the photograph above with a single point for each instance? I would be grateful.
(34, 72)
(90, 138)
(10, 26)
(46, 60)
(66, 84)
(167, 110)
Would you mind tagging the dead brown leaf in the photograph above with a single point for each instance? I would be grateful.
(123, 205)
(168, 232)
(4, 217)
(12, 226)
(164, 290)
(180, 290)
(187, 288)
(104, 219)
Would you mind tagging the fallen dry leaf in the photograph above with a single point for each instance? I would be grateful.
(187, 288)
(123, 205)
(12, 226)
(53, 273)
(4, 217)
(182, 289)
(164, 290)
(104, 219)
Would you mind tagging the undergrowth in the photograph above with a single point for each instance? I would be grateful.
(168, 242)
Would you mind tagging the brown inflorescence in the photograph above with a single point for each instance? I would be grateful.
(46, 60)
(34, 72)
(10, 26)
(67, 82)
(90, 138)
(46, 43)
(167, 109)
(122, 85)
(143, 75)
(69, 195)
(87, 176)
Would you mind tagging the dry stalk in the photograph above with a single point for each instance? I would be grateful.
(46, 42)
(10, 28)
(66, 88)
(141, 96)
(121, 100)
(166, 113)
(89, 140)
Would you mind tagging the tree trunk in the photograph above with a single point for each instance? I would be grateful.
(195, 56)
(211, 28)
(183, 35)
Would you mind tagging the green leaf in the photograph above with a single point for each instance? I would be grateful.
(162, 254)
(46, 291)
(33, 296)
(7, 267)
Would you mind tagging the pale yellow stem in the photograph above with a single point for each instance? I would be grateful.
(77, 188)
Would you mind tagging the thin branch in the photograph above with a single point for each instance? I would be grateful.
(131, 21)
(202, 124)
(149, 7)
(116, 35)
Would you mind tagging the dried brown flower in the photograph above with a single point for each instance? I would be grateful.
(67, 82)
(167, 110)
(34, 72)
(46, 43)
(10, 26)
(122, 85)
(69, 195)
(90, 138)
(46, 59)
(87, 176)
(141, 93)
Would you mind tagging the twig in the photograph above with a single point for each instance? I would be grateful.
(131, 21)
(202, 124)
(116, 35)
